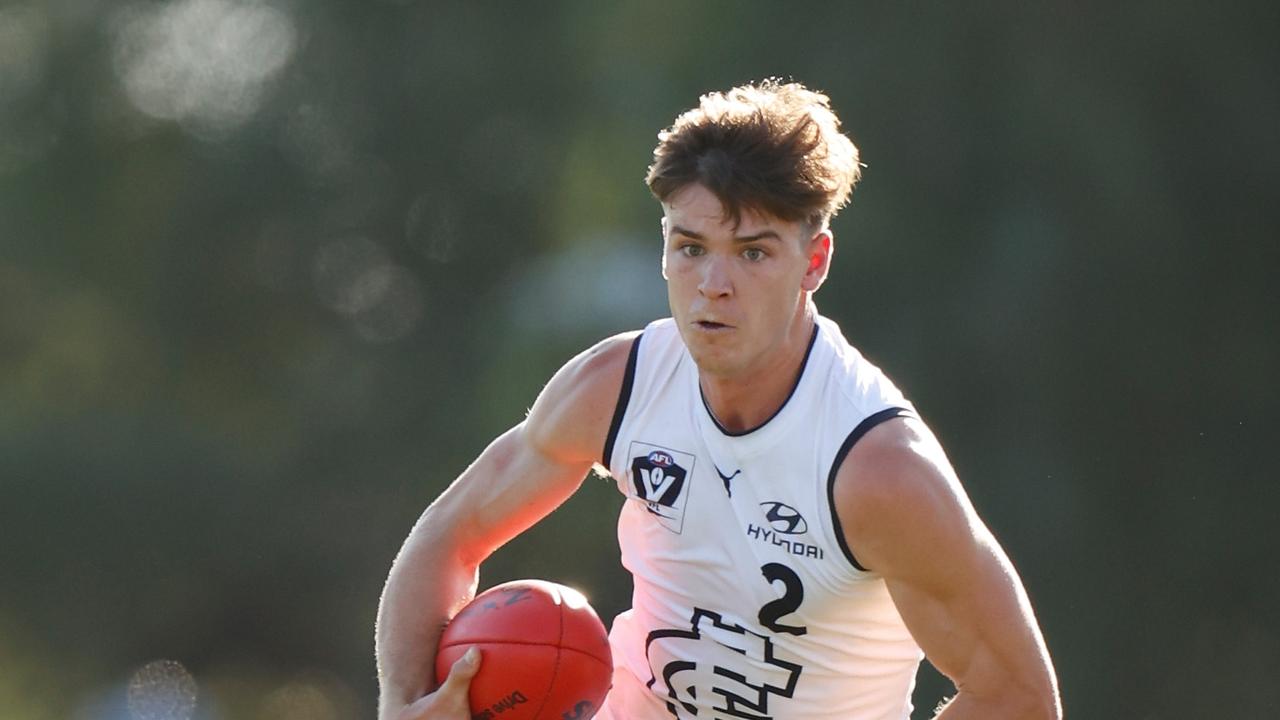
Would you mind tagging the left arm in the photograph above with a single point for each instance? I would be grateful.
(906, 517)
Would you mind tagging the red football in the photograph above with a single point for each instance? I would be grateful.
(544, 652)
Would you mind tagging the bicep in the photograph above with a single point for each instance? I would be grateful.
(535, 466)
(952, 583)
(972, 618)
(510, 486)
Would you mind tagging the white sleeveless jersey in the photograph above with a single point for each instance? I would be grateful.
(748, 602)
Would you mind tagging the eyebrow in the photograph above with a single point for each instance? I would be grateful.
(763, 235)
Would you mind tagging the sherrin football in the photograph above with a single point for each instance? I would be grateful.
(544, 652)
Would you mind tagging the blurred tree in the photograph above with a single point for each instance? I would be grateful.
(271, 275)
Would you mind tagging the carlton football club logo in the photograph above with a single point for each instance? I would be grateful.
(722, 664)
(660, 478)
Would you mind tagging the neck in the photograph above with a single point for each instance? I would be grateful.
(747, 401)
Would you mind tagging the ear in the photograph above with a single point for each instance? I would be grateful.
(664, 247)
(819, 251)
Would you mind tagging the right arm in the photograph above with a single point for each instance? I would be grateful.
(520, 478)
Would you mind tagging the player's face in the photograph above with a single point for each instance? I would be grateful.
(738, 294)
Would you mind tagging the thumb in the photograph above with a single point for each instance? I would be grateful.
(464, 668)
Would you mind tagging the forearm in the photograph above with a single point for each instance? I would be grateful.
(1010, 706)
(427, 585)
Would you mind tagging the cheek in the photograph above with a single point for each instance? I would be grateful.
(778, 296)
(677, 286)
(677, 271)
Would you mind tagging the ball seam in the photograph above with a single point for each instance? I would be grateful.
(555, 670)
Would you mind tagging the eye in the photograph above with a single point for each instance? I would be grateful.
(691, 250)
(754, 254)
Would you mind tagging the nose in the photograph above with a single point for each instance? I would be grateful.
(715, 281)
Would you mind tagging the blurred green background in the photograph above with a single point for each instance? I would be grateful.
(273, 272)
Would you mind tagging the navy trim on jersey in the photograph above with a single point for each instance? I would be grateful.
(805, 363)
(863, 428)
(624, 398)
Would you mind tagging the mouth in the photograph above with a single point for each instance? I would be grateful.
(711, 325)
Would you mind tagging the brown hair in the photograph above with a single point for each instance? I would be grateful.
(770, 147)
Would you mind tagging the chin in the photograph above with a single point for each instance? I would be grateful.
(713, 361)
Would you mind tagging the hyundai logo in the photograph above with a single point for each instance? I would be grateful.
(783, 518)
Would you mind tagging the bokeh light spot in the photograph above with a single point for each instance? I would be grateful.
(354, 277)
(204, 63)
(396, 307)
(341, 272)
(314, 140)
(162, 690)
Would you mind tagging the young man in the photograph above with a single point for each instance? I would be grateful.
(795, 532)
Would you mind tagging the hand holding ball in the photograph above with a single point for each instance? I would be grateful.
(545, 653)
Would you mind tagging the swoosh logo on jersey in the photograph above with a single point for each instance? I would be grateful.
(726, 478)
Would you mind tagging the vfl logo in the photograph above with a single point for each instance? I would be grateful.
(783, 518)
(660, 478)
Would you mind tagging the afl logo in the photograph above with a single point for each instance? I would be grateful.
(661, 459)
(783, 518)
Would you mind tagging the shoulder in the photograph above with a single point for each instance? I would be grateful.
(858, 379)
(600, 366)
(571, 416)
(898, 499)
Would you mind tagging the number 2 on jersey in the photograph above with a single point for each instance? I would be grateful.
(790, 601)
